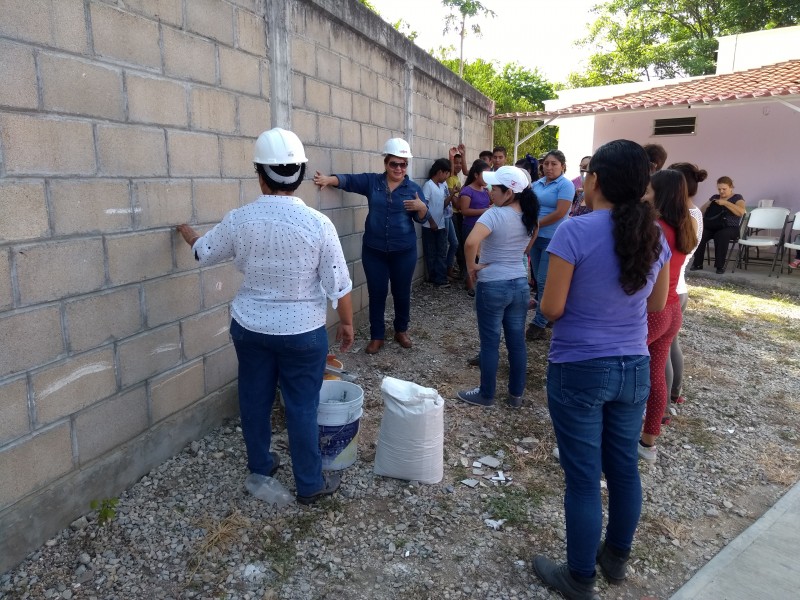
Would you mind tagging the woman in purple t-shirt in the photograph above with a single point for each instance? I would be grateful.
(473, 202)
(607, 270)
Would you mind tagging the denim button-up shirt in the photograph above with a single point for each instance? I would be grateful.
(389, 226)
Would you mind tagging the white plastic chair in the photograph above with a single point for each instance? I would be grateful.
(765, 203)
(773, 218)
(793, 243)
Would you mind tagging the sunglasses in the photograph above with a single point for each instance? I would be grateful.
(397, 165)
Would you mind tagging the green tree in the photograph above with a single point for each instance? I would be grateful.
(461, 10)
(369, 5)
(513, 89)
(657, 39)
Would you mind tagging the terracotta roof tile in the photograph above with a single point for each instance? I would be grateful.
(781, 79)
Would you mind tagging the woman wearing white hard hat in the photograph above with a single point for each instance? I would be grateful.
(292, 263)
(389, 247)
(502, 234)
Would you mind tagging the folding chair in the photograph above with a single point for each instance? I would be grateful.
(762, 219)
(793, 243)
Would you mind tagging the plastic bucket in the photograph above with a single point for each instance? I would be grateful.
(340, 408)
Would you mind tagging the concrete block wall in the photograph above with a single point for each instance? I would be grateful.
(126, 117)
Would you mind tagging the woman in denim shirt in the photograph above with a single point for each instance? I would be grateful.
(389, 247)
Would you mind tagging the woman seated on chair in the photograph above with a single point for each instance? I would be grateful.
(721, 217)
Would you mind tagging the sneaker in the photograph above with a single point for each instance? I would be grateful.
(473, 396)
(696, 268)
(534, 332)
(560, 578)
(720, 270)
(613, 564)
(475, 361)
(331, 482)
(648, 454)
(442, 286)
(514, 401)
(471, 293)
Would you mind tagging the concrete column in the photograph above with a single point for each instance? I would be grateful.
(280, 63)
(409, 135)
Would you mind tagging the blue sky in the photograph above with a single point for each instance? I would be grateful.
(535, 33)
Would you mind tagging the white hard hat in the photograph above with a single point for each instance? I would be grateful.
(279, 147)
(513, 178)
(397, 147)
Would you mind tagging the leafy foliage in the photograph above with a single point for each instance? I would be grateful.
(644, 39)
(461, 10)
(369, 5)
(106, 509)
(513, 89)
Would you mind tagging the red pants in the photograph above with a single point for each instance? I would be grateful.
(662, 327)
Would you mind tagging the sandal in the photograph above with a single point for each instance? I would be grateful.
(795, 263)
(666, 420)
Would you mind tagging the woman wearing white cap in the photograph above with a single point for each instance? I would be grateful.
(389, 246)
(501, 299)
(292, 262)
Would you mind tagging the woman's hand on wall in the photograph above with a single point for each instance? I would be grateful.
(190, 236)
(325, 180)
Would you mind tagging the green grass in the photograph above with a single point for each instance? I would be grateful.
(513, 504)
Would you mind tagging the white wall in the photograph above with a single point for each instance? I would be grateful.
(754, 144)
(757, 48)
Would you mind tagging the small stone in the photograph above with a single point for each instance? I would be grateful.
(79, 524)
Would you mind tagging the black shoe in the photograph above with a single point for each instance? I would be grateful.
(514, 401)
(534, 332)
(720, 270)
(475, 361)
(613, 564)
(276, 463)
(696, 268)
(331, 484)
(559, 578)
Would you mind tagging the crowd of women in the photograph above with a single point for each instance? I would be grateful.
(605, 253)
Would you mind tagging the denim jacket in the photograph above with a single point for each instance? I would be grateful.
(389, 226)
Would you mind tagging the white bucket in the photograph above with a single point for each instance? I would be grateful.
(340, 408)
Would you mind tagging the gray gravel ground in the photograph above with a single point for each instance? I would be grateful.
(190, 530)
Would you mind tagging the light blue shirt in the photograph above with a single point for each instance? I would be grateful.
(435, 193)
(502, 250)
(549, 193)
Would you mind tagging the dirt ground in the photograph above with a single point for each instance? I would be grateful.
(189, 530)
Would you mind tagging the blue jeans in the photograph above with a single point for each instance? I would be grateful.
(434, 244)
(502, 304)
(540, 261)
(380, 268)
(297, 363)
(596, 407)
(452, 242)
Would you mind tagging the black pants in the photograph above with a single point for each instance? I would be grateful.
(722, 235)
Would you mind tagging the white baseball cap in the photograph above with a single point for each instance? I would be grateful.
(513, 178)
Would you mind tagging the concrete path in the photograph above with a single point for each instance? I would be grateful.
(763, 562)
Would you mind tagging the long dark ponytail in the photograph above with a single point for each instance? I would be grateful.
(671, 197)
(529, 204)
(622, 169)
